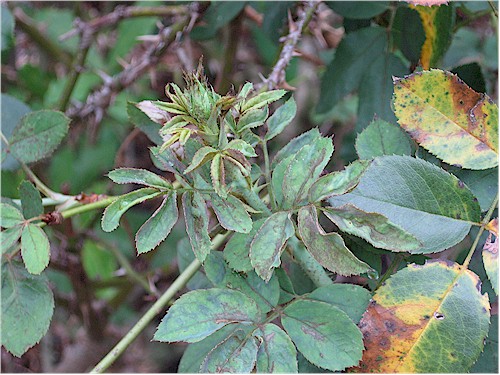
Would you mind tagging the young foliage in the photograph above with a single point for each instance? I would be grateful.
(435, 105)
(426, 309)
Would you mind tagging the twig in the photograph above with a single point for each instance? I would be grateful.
(98, 102)
(29, 27)
(277, 76)
(154, 310)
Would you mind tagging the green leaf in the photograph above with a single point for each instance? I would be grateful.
(304, 169)
(197, 220)
(338, 183)
(424, 200)
(328, 249)
(351, 299)
(27, 308)
(35, 248)
(201, 156)
(98, 262)
(319, 329)
(231, 213)
(490, 259)
(438, 27)
(236, 354)
(435, 308)
(38, 134)
(200, 313)
(158, 226)
(217, 16)
(252, 119)
(280, 119)
(373, 228)
(488, 360)
(236, 251)
(269, 242)
(358, 10)
(139, 176)
(276, 354)
(113, 213)
(7, 29)
(448, 118)
(10, 216)
(185, 257)
(408, 33)
(262, 99)
(295, 145)
(382, 138)
(241, 146)
(277, 178)
(31, 201)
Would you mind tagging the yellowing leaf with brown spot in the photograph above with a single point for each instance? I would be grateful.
(429, 318)
(448, 118)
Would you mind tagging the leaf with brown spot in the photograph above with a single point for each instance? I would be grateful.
(448, 118)
(429, 318)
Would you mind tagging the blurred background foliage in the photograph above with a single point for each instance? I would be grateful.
(89, 59)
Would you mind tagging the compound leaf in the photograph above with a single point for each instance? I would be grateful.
(158, 226)
(276, 354)
(448, 118)
(113, 213)
(35, 248)
(27, 308)
(138, 176)
(196, 217)
(372, 227)
(436, 308)
(416, 195)
(38, 134)
(319, 329)
(200, 313)
(328, 249)
(268, 243)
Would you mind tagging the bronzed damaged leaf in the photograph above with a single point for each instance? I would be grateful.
(196, 217)
(277, 354)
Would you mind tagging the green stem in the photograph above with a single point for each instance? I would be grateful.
(153, 311)
(484, 222)
(492, 6)
(87, 207)
(74, 73)
(42, 187)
